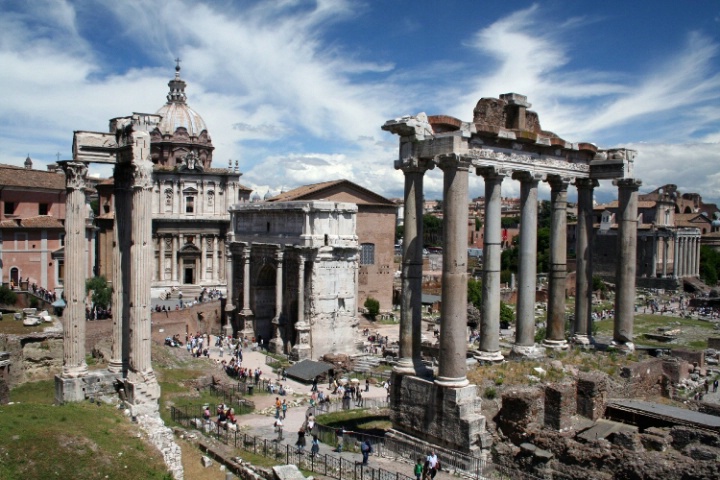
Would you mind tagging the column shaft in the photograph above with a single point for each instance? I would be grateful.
(452, 371)
(74, 365)
(121, 263)
(492, 252)
(627, 259)
(246, 279)
(411, 295)
(664, 256)
(527, 268)
(558, 262)
(583, 255)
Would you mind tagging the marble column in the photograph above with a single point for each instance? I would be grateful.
(203, 257)
(215, 276)
(74, 366)
(161, 258)
(626, 266)
(174, 259)
(655, 249)
(230, 300)
(675, 254)
(555, 337)
(584, 267)
(121, 263)
(301, 350)
(246, 312)
(141, 261)
(411, 276)
(681, 256)
(527, 269)
(492, 252)
(696, 257)
(452, 371)
(665, 248)
(276, 344)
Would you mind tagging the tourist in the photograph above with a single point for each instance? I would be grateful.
(366, 450)
(300, 443)
(339, 433)
(359, 402)
(284, 409)
(367, 384)
(315, 448)
(715, 386)
(432, 464)
(279, 429)
(278, 406)
(418, 468)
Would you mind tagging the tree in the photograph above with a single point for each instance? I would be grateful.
(399, 233)
(478, 224)
(101, 291)
(509, 222)
(372, 306)
(709, 265)
(507, 316)
(432, 230)
(7, 296)
(474, 292)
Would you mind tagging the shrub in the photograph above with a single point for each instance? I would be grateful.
(7, 296)
(490, 393)
(372, 306)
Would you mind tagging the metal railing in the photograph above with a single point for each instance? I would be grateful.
(323, 464)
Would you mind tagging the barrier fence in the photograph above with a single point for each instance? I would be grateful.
(323, 464)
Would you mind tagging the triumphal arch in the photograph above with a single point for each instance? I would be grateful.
(127, 147)
(504, 141)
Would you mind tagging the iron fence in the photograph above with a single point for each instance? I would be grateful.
(324, 464)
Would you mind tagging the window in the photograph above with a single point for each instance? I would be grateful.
(9, 208)
(62, 239)
(189, 204)
(61, 270)
(367, 254)
(43, 209)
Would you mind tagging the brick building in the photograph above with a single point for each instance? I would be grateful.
(32, 228)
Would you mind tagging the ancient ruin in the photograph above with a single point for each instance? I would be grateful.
(504, 140)
(294, 275)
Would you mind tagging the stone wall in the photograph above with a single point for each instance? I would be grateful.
(690, 357)
(560, 406)
(714, 342)
(520, 412)
(591, 395)
(448, 417)
(33, 356)
(643, 377)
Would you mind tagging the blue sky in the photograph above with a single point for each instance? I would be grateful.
(296, 91)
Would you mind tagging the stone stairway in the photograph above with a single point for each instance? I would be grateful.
(365, 363)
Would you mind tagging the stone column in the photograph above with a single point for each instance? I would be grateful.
(302, 349)
(676, 235)
(247, 313)
(161, 258)
(558, 264)
(665, 247)
(74, 366)
(203, 257)
(626, 265)
(696, 257)
(276, 344)
(141, 384)
(452, 371)
(215, 276)
(492, 251)
(653, 268)
(527, 268)
(230, 301)
(121, 263)
(174, 259)
(681, 256)
(584, 267)
(412, 263)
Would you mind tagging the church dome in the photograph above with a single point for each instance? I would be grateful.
(176, 113)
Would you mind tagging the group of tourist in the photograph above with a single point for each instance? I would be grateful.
(97, 313)
(427, 469)
(43, 293)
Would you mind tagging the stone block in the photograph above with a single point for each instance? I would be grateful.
(520, 409)
(4, 392)
(657, 443)
(206, 461)
(628, 440)
(560, 406)
(676, 370)
(591, 395)
(701, 452)
(690, 356)
(287, 472)
(714, 342)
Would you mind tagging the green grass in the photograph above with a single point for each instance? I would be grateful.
(10, 326)
(693, 334)
(80, 440)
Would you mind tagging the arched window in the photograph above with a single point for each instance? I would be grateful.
(367, 254)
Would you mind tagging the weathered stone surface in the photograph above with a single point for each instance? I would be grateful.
(560, 406)
(700, 452)
(591, 395)
(206, 461)
(287, 472)
(4, 392)
(628, 440)
(520, 409)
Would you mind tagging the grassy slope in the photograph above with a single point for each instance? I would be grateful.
(79, 441)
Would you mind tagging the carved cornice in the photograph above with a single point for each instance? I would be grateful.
(528, 177)
(453, 161)
(75, 175)
(521, 161)
(586, 183)
(414, 165)
(628, 183)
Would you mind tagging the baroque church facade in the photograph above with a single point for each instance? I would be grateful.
(190, 203)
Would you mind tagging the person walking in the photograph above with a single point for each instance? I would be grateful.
(339, 433)
(279, 429)
(315, 447)
(418, 469)
(432, 461)
(300, 443)
(284, 409)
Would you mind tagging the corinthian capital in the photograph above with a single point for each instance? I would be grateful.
(142, 174)
(75, 175)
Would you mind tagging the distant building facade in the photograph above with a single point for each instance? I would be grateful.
(189, 206)
(32, 228)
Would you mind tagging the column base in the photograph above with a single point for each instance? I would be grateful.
(415, 367)
(527, 351)
(448, 382)
(276, 345)
(555, 344)
(115, 366)
(623, 347)
(582, 341)
(228, 330)
(489, 357)
(300, 352)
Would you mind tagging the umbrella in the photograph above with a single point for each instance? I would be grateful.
(60, 303)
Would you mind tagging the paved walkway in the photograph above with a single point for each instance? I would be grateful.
(262, 426)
